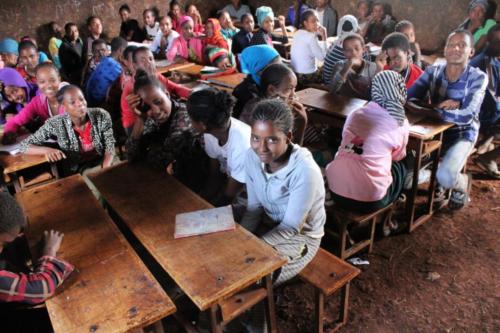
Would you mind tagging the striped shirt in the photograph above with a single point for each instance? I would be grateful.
(469, 90)
(333, 56)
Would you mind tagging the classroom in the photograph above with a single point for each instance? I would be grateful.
(249, 166)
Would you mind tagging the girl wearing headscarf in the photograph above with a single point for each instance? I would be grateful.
(367, 173)
(253, 61)
(214, 35)
(265, 19)
(479, 22)
(16, 92)
(220, 58)
(187, 46)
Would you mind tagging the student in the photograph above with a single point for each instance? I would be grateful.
(456, 93)
(55, 42)
(48, 273)
(295, 12)
(127, 63)
(192, 11)
(363, 10)
(253, 60)
(71, 54)
(29, 58)
(242, 39)
(42, 56)
(164, 39)
(162, 133)
(306, 49)
(328, 16)
(228, 29)
(143, 59)
(279, 81)
(105, 74)
(407, 28)
(379, 26)
(151, 25)
(129, 28)
(214, 36)
(220, 58)
(265, 19)
(286, 193)
(353, 76)
(396, 56)
(236, 10)
(94, 25)
(187, 46)
(226, 139)
(84, 135)
(479, 22)
(9, 52)
(41, 107)
(16, 92)
(368, 171)
(176, 14)
(99, 52)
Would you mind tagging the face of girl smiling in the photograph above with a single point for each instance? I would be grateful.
(158, 102)
(15, 94)
(268, 142)
(48, 81)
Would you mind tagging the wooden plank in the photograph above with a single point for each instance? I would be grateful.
(193, 70)
(174, 67)
(111, 289)
(14, 163)
(228, 81)
(208, 268)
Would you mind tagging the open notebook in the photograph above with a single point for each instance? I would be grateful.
(204, 222)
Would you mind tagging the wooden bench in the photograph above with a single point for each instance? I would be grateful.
(345, 218)
(327, 274)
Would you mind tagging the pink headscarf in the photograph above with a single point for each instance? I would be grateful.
(191, 50)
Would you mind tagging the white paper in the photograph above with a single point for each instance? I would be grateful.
(204, 221)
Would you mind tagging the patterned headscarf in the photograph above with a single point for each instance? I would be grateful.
(215, 53)
(474, 3)
(389, 91)
(217, 38)
(262, 13)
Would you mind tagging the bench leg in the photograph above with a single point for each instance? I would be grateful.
(343, 242)
(344, 304)
(320, 311)
(372, 234)
(269, 303)
(215, 323)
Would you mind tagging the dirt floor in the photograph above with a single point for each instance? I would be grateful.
(441, 278)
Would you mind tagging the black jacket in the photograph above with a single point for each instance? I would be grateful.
(71, 59)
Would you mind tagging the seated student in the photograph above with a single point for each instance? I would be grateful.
(84, 135)
(42, 56)
(214, 36)
(379, 25)
(162, 133)
(286, 193)
(294, 13)
(328, 16)
(48, 273)
(143, 59)
(236, 10)
(306, 49)
(164, 39)
(368, 173)
(129, 28)
(353, 76)
(489, 62)
(127, 64)
(265, 19)
(363, 11)
(479, 22)
(228, 29)
(16, 92)
(105, 74)
(407, 28)
(176, 14)
(192, 11)
(55, 42)
(188, 46)
(396, 56)
(28, 60)
(41, 107)
(253, 60)
(279, 81)
(242, 39)
(94, 25)
(227, 140)
(99, 52)
(456, 93)
(71, 54)
(220, 58)
(9, 52)
(151, 25)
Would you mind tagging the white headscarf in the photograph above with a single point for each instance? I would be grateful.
(342, 33)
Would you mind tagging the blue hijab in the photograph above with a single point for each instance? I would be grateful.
(255, 58)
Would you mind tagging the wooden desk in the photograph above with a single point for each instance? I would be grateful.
(111, 290)
(227, 81)
(208, 268)
(193, 70)
(173, 67)
(14, 165)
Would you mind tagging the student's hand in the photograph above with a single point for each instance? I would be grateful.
(281, 21)
(170, 168)
(449, 104)
(9, 138)
(381, 60)
(298, 110)
(175, 77)
(322, 32)
(52, 242)
(355, 62)
(133, 101)
(53, 155)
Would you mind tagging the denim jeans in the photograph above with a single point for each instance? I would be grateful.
(454, 158)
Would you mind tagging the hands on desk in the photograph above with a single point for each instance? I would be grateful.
(449, 104)
(53, 155)
(52, 242)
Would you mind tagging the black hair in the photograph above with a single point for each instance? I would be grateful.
(186, 7)
(493, 29)
(26, 44)
(143, 79)
(124, 7)
(164, 17)
(347, 26)
(67, 27)
(98, 42)
(462, 31)
(273, 75)
(46, 64)
(245, 16)
(396, 40)
(61, 92)
(11, 214)
(276, 111)
(118, 43)
(353, 36)
(306, 15)
(90, 19)
(379, 3)
(139, 50)
(173, 3)
(222, 12)
(402, 25)
(211, 107)
(154, 10)
(128, 50)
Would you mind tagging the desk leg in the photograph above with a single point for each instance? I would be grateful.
(320, 311)
(17, 183)
(53, 170)
(410, 208)
(215, 323)
(269, 302)
(432, 187)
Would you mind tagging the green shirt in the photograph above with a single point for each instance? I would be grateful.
(484, 29)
